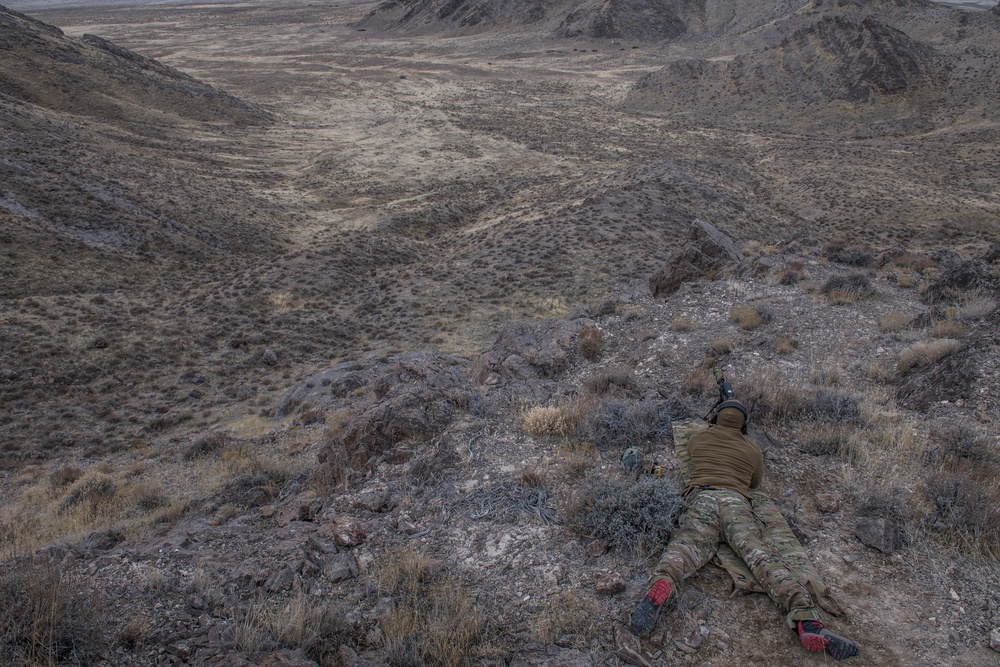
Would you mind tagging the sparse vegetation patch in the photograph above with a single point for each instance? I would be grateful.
(636, 517)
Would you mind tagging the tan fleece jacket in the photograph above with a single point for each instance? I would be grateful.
(723, 457)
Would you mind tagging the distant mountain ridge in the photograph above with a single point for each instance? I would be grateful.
(646, 20)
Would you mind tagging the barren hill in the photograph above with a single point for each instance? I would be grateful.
(87, 124)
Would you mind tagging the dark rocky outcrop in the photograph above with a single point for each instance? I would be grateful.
(958, 275)
(406, 399)
(953, 378)
(528, 350)
(878, 533)
(706, 253)
(831, 60)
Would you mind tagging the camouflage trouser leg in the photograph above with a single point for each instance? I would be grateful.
(693, 544)
(743, 532)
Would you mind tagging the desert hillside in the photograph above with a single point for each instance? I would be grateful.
(323, 328)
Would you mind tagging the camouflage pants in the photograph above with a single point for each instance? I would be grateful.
(712, 516)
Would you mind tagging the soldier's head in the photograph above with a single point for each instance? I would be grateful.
(731, 414)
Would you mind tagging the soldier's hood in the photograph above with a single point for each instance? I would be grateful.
(730, 418)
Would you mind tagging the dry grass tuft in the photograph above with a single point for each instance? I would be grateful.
(590, 342)
(552, 421)
(311, 625)
(893, 322)
(700, 382)
(683, 323)
(947, 329)
(926, 353)
(532, 478)
(746, 316)
(435, 620)
(977, 305)
(827, 374)
(579, 458)
(769, 397)
(721, 346)
(785, 345)
(48, 618)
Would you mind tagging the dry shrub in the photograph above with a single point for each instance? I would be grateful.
(579, 460)
(926, 353)
(792, 273)
(435, 620)
(825, 439)
(845, 289)
(590, 342)
(48, 618)
(785, 345)
(947, 329)
(552, 421)
(622, 424)
(914, 261)
(831, 406)
(966, 507)
(683, 323)
(615, 380)
(568, 614)
(532, 478)
(206, 446)
(64, 476)
(769, 398)
(842, 251)
(746, 316)
(636, 517)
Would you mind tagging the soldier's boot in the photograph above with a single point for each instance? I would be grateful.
(815, 637)
(644, 616)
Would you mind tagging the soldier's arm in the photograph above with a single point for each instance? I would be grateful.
(758, 472)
